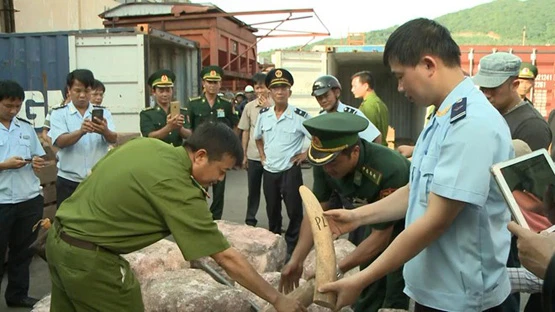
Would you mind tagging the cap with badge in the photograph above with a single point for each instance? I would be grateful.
(528, 71)
(212, 73)
(331, 134)
(279, 76)
(496, 68)
(163, 78)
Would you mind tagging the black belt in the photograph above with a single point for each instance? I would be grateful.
(80, 243)
(75, 241)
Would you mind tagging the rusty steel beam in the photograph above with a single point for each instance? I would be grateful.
(290, 31)
(263, 12)
(294, 35)
(279, 20)
(257, 41)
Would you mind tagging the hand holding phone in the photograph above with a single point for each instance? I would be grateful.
(175, 108)
(97, 113)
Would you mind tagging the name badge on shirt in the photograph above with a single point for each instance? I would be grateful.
(220, 113)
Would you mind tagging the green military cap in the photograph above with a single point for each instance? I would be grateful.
(528, 71)
(163, 78)
(212, 73)
(332, 133)
(279, 76)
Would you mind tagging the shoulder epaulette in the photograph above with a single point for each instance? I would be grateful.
(194, 98)
(349, 109)
(58, 107)
(148, 108)
(458, 110)
(24, 120)
(99, 106)
(372, 174)
(265, 109)
(301, 112)
(225, 99)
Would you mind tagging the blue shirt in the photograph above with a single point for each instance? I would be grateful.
(283, 137)
(464, 269)
(76, 161)
(370, 133)
(19, 185)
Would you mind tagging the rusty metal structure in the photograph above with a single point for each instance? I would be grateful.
(224, 39)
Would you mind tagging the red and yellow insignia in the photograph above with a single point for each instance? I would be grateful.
(316, 142)
(386, 192)
(278, 73)
(164, 78)
(213, 73)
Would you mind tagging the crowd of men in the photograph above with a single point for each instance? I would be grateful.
(432, 228)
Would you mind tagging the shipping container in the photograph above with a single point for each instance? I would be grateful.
(543, 92)
(407, 119)
(122, 58)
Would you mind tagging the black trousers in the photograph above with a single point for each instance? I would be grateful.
(254, 176)
(512, 303)
(217, 206)
(16, 231)
(284, 185)
(420, 308)
(64, 189)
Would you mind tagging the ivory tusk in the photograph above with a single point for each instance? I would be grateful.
(323, 244)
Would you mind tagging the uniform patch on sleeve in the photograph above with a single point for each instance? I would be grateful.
(386, 192)
(351, 110)
(458, 110)
(301, 112)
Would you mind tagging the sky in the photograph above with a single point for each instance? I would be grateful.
(340, 17)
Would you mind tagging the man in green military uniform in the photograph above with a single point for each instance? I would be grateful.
(372, 106)
(526, 76)
(364, 173)
(138, 194)
(209, 107)
(157, 121)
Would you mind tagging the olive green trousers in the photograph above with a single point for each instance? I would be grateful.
(89, 280)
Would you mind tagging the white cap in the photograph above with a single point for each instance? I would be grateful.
(249, 88)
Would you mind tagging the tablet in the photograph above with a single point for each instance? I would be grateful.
(524, 180)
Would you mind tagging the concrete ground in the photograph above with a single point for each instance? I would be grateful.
(234, 210)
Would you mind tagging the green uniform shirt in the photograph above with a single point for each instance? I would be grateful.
(138, 194)
(379, 172)
(375, 109)
(154, 118)
(200, 111)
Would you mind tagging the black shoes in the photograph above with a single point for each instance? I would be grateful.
(26, 302)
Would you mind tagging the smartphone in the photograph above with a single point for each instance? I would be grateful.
(98, 113)
(175, 108)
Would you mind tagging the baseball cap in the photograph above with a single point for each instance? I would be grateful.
(496, 68)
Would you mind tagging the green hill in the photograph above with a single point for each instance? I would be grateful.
(499, 22)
